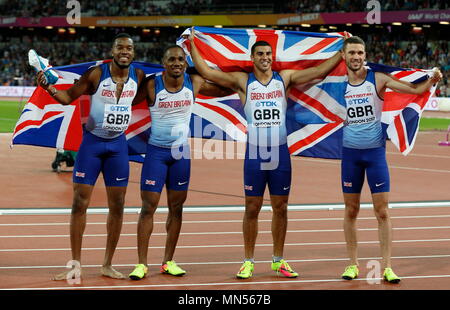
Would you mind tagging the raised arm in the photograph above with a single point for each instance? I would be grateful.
(388, 81)
(229, 80)
(292, 77)
(85, 85)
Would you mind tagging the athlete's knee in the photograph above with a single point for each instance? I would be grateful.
(147, 209)
(80, 202)
(252, 208)
(117, 203)
(351, 210)
(176, 210)
(280, 207)
(381, 214)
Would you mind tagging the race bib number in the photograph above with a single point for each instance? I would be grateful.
(117, 117)
(266, 114)
(360, 111)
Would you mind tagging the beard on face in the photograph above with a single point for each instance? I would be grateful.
(352, 68)
(120, 65)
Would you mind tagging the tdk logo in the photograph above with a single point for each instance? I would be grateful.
(119, 108)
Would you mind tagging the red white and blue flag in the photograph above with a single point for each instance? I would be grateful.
(45, 122)
(315, 115)
(316, 110)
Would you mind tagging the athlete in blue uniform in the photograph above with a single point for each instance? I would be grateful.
(112, 87)
(267, 161)
(364, 149)
(170, 96)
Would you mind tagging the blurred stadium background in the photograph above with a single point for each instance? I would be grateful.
(412, 33)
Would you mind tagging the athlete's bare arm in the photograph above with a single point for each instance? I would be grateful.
(292, 77)
(387, 81)
(86, 85)
(203, 87)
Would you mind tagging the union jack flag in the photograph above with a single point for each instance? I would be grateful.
(316, 110)
(45, 122)
(315, 115)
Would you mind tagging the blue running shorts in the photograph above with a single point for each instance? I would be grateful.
(356, 163)
(267, 165)
(169, 166)
(108, 156)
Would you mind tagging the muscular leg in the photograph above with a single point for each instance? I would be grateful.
(352, 205)
(279, 223)
(253, 206)
(81, 197)
(380, 204)
(175, 200)
(150, 202)
(116, 201)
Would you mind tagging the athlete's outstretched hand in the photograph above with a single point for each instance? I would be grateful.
(41, 80)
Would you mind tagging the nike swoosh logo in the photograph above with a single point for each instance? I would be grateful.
(179, 183)
(121, 179)
(106, 85)
(161, 99)
(286, 188)
(378, 185)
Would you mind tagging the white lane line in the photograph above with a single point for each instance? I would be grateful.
(311, 260)
(225, 245)
(338, 162)
(232, 221)
(420, 155)
(235, 283)
(228, 232)
(188, 209)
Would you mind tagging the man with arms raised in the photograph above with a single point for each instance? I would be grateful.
(267, 161)
(364, 149)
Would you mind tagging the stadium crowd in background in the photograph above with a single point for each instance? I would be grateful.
(39, 8)
(314, 6)
(383, 48)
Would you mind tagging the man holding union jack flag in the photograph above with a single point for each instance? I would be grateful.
(267, 160)
(364, 148)
(112, 87)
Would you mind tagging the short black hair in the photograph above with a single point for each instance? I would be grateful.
(122, 35)
(353, 40)
(259, 43)
(170, 47)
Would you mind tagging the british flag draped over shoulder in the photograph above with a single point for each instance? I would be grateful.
(45, 122)
(316, 110)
